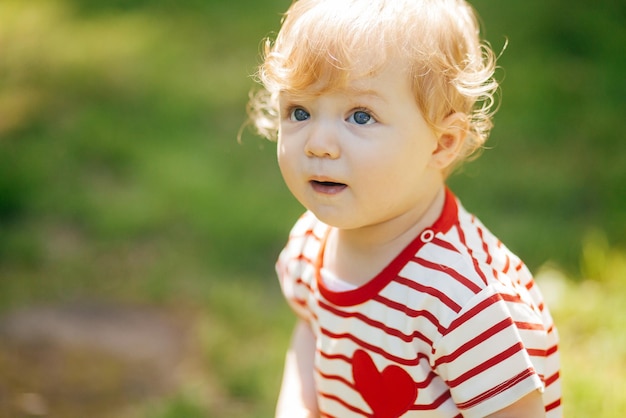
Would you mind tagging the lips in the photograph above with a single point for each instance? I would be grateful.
(327, 187)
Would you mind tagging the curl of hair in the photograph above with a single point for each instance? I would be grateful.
(322, 45)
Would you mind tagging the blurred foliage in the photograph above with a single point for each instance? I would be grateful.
(557, 167)
(121, 175)
(590, 317)
(119, 141)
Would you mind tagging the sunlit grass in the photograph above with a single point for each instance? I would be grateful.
(590, 316)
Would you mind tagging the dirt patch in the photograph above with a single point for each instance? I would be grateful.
(88, 359)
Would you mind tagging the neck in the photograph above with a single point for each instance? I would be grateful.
(356, 255)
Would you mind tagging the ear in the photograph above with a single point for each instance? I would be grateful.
(451, 134)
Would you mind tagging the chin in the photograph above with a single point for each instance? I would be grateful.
(330, 218)
(339, 222)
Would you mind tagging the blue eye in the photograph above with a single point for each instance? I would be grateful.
(299, 115)
(361, 118)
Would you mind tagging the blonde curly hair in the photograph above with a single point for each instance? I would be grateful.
(320, 42)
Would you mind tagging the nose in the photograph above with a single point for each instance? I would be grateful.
(323, 142)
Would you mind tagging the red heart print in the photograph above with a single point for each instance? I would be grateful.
(389, 393)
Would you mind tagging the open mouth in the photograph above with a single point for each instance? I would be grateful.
(327, 187)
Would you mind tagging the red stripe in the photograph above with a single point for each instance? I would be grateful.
(340, 357)
(420, 385)
(477, 267)
(308, 233)
(301, 257)
(552, 350)
(450, 272)
(444, 244)
(430, 291)
(470, 252)
(553, 405)
(506, 354)
(504, 324)
(423, 385)
(410, 312)
(433, 406)
(474, 311)
(536, 352)
(375, 349)
(550, 380)
(507, 264)
(336, 378)
(336, 357)
(375, 324)
(485, 246)
(512, 298)
(459, 231)
(530, 326)
(345, 404)
(301, 282)
(485, 249)
(301, 302)
(498, 389)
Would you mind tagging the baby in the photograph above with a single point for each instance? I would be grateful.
(407, 305)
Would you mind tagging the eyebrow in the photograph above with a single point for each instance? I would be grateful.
(353, 91)
(369, 93)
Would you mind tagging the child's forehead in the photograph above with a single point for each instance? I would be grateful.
(353, 72)
(372, 84)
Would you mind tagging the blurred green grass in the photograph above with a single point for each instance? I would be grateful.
(121, 176)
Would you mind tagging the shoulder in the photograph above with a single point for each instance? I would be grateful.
(295, 266)
(304, 239)
(478, 252)
(302, 249)
(466, 261)
(305, 223)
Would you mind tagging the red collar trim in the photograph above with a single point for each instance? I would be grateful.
(372, 288)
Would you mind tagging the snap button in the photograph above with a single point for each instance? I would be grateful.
(427, 236)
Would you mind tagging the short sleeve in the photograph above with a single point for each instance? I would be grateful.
(295, 264)
(491, 355)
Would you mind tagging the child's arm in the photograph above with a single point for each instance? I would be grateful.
(297, 394)
(530, 406)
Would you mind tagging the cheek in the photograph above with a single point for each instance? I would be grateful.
(281, 151)
(389, 172)
(287, 163)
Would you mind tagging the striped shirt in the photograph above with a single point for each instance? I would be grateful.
(454, 326)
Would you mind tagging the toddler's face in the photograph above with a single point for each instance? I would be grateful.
(360, 156)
